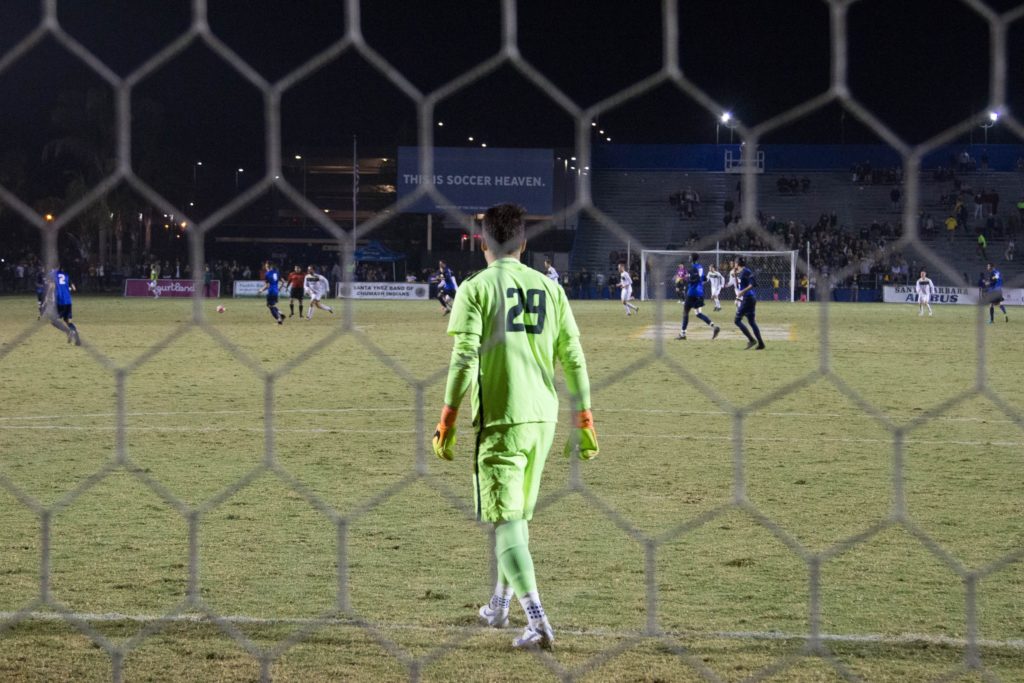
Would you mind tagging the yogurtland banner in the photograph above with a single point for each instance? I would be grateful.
(906, 294)
(168, 287)
(383, 290)
(246, 288)
(474, 179)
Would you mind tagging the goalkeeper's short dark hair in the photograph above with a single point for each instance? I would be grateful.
(504, 228)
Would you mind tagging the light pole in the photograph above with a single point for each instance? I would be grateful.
(195, 181)
(726, 120)
(299, 157)
(237, 171)
(993, 117)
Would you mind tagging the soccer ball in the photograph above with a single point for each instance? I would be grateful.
(221, 309)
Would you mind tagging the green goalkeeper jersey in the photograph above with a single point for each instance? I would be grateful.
(510, 323)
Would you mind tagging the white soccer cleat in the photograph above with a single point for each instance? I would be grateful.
(495, 618)
(538, 635)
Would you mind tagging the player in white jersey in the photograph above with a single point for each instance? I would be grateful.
(925, 287)
(315, 286)
(550, 271)
(716, 281)
(626, 290)
(734, 280)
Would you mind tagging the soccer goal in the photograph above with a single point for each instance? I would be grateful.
(658, 270)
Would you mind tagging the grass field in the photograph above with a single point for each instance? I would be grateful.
(859, 479)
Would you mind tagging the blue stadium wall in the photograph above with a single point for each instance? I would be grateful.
(790, 157)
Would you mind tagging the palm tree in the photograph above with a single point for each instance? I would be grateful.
(84, 152)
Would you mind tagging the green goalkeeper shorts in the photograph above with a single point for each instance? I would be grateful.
(508, 466)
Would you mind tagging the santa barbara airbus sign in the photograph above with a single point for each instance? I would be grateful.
(474, 179)
(907, 294)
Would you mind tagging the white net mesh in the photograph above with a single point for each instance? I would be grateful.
(194, 607)
(776, 272)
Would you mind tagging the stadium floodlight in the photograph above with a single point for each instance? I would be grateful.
(727, 120)
(993, 117)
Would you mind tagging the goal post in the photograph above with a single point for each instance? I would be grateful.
(658, 269)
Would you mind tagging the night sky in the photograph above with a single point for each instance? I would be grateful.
(920, 65)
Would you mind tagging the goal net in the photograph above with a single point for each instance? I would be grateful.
(658, 270)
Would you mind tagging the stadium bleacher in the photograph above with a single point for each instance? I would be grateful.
(642, 203)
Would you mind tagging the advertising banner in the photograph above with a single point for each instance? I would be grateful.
(474, 179)
(167, 287)
(246, 288)
(412, 291)
(906, 294)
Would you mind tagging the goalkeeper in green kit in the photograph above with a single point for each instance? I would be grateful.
(510, 324)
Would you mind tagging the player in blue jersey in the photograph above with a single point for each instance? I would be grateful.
(993, 283)
(40, 290)
(746, 292)
(60, 289)
(272, 286)
(446, 287)
(694, 279)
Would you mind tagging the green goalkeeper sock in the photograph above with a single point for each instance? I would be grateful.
(512, 549)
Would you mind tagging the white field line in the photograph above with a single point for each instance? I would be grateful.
(168, 413)
(242, 620)
(608, 435)
(701, 332)
(257, 414)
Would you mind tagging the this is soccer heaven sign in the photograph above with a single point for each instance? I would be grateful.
(472, 179)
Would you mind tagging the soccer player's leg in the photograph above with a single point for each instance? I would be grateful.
(686, 318)
(510, 463)
(272, 306)
(64, 313)
(56, 319)
(740, 313)
(698, 303)
(752, 318)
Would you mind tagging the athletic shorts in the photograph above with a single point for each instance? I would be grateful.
(271, 299)
(509, 462)
(298, 293)
(315, 297)
(627, 294)
(694, 301)
(995, 297)
(924, 298)
(747, 308)
(64, 311)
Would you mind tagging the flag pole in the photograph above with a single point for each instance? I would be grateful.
(355, 191)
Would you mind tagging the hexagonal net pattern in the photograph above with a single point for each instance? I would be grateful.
(815, 642)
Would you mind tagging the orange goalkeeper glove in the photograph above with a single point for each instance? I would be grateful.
(583, 441)
(444, 434)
